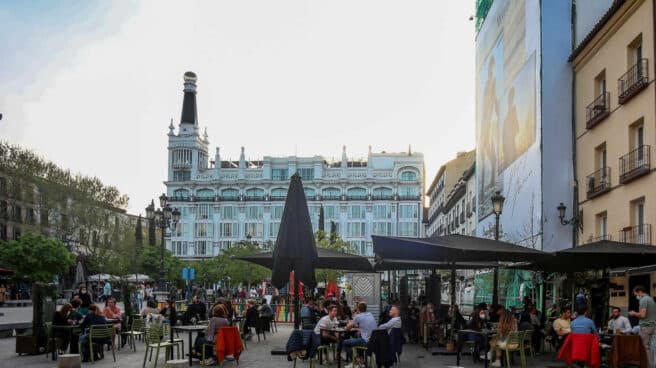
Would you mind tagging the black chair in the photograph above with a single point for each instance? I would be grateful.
(397, 340)
(263, 325)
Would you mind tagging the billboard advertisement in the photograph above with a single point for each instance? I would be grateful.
(508, 120)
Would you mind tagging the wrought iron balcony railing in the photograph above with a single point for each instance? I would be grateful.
(598, 182)
(637, 234)
(633, 81)
(598, 110)
(635, 164)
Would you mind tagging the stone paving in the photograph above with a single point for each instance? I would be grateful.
(258, 354)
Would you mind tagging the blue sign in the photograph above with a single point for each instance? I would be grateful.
(192, 274)
(185, 273)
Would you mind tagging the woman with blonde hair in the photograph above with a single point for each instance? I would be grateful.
(506, 325)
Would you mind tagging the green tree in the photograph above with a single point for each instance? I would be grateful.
(242, 272)
(36, 258)
(334, 242)
(172, 265)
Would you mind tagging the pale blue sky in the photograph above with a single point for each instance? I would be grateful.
(92, 85)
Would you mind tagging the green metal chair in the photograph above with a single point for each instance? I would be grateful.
(527, 342)
(155, 341)
(364, 351)
(514, 342)
(99, 335)
(242, 323)
(137, 329)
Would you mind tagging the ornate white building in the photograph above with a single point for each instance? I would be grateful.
(223, 202)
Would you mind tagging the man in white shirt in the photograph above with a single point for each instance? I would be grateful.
(395, 320)
(328, 321)
(617, 323)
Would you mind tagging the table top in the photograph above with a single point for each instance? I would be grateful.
(190, 328)
(478, 332)
(65, 326)
(340, 330)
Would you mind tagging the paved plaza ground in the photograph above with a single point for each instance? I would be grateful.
(258, 354)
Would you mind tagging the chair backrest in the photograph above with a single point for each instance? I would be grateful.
(242, 323)
(48, 327)
(397, 340)
(514, 338)
(138, 325)
(100, 331)
(154, 333)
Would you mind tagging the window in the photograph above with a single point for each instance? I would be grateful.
(225, 244)
(602, 225)
(181, 175)
(634, 51)
(306, 173)
(228, 229)
(637, 134)
(601, 159)
(185, 230)
(202, 160)
(331, 212)
(279, 174)
(181, 157)
(408, 229)
(177, 231)
(204, 211)
(200, 247)
(229, 213)
(382, 211)
(357, 193)
(255, 194)
(407, 191)
(356, 212)
(254, 229)
(382, 193)
(310, 193)
(204, 230)
(638, 212)
(331, 193)
(279, 194)
(382, 228)
(273, 229)
(230, 194)
(600, 84)
(408, 176)
(408, 211)
(254, 213)
(205, 194)
(355, 229)
(180, 248)
(276, 212)
(181, 193)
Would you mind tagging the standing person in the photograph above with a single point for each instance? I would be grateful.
(107, 291)
(366, 322)
(581, 299)
(647, 314)
(618, 324)
(141, 294)
(148, 291)
(413, 322)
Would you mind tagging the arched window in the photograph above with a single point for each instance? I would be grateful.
(382, 193)
(255, 194)
(310, 193)
(205, 194)
(181, 193)
(331, 193)
(356, 193)
(279, 194)
(230, 194)
(408, 176)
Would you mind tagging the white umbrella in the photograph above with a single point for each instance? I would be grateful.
(79, 273)
(138, 277)
(102, 277)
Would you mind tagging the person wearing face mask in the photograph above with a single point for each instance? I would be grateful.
(85, 299)
(476, 323)
(647, 314)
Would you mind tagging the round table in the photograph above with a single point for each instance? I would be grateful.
(190, 329)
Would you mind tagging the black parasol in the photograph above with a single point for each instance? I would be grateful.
(295, 249)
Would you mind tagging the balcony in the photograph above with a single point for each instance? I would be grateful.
(633, 81)
(592, 239)
(181, 165)
(254, 198)
(637, 234)
(598, 110)
(331, 197)
(409, 197)
(357, 197)
(387, 197)
(635, 164)
(279, 198)
(598, 182)
(179, 199)
(228, 198)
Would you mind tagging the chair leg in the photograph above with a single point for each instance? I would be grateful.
(145, 356)
(156, 356)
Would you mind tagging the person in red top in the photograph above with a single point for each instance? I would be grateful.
(112, 312)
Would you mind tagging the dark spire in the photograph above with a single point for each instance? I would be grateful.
(189, 112)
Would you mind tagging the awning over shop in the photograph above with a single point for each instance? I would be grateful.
(603, 254)
(453, 249)
(327, 259)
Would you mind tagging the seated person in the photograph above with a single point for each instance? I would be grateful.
(112, 312)
(217, 321)
(62, 318)
(328, 321)
(366, 322)
(251, 315)
(196, 311)
(394, 320)
(583, 324)
(169, 312)
(265, 309)
(618, 324)
(562, 326)
(506, 325)
(94, 317)
(150, 308)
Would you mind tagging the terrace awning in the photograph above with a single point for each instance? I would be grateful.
(327, 259)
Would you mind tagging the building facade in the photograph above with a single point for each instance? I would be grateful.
(615, 128)
(452, 197)
(224, 202)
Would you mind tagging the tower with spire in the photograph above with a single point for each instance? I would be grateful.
(187, 150)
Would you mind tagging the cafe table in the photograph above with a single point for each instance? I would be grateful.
(426, 331)
(190, 329)
(341, 334)
(485, 335)
(71, 329)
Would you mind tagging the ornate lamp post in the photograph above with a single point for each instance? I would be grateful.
(164, 218)
(497, 207)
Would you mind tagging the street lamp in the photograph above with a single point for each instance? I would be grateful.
(576, 221)
(497, 208)
(164, 218)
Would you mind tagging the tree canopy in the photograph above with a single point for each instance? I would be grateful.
(36, 258)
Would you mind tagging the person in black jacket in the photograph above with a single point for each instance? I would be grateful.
(85, 299)
(252, 316)
(196, 310)
(94, 317)
(62, 319)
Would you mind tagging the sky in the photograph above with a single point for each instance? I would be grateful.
(93, 85)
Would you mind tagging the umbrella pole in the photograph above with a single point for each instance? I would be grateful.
(495, 286)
